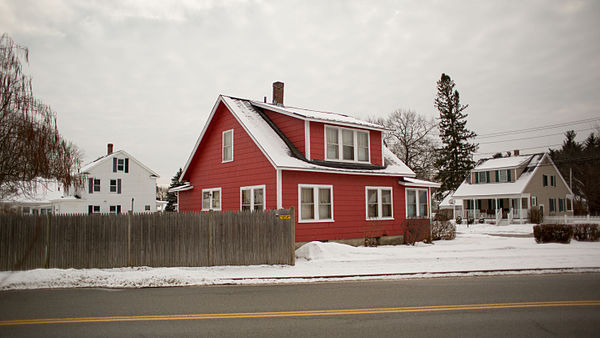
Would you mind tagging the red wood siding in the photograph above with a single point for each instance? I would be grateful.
(375, 147)
(349, 207)
(317, 142)
(249, 167)
(292, 127)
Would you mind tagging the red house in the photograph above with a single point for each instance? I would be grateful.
(334, 169)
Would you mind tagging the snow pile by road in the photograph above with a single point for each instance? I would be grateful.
(476, 248)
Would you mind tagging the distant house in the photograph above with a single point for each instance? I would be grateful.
(506, 189)
(334, 169)
(114, 183)
(45, 196)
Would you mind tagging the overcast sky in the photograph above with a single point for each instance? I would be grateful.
(144, 75)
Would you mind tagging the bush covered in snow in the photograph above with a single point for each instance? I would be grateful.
(586, 232)
(442, 230)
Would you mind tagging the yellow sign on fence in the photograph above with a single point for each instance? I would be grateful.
(285, 216)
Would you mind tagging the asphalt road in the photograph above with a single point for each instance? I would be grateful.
(502, 306)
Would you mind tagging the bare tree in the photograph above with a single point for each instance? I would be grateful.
(31, 148)
(411, 138)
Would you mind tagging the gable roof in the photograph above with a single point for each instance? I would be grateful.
(248, 115)
(121, 153)
(532, 162)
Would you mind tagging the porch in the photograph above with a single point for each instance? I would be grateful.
(507, 209)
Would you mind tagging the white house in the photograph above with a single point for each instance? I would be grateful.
(114, 183)
(506, 189)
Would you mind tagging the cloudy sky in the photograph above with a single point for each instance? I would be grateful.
(144, 75)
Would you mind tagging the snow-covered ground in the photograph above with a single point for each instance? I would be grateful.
(476, 248)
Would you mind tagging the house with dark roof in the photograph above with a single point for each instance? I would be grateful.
(505, 189)
(335, 170)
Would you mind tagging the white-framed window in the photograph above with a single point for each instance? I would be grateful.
(533, 201)
(379, 202)
(93, 185)
(115, 186)
(315, 203)
(503, 175)
(146, 207)
(347, 145)
(482, 177)
(252, 198)
(120, 164)
(93, 209)
(228, 146)
(416, 203)
(211, 199)
(114, 209)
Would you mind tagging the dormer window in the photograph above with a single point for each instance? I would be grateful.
(482, 177)
(347, 145)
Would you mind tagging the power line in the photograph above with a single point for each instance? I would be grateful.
(532, 129)
(528, 148)
(531, 137)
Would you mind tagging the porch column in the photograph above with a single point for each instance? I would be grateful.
(474, 208)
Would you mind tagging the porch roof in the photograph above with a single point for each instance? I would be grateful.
(491, 190)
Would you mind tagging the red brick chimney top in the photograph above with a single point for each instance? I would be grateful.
(109, 149)
(278, 93)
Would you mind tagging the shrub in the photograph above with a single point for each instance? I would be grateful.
(417, 230)
(586, 232)
(481, 220)
(442, 230)
(471, 220)
(557, 233)
(458, 220)
(443, 215)
(535, 215)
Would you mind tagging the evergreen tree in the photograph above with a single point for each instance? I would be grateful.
(455, 157)
(171, 196)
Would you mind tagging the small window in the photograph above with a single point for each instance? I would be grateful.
(252, 198)
(26, 210)
(503, 175)
(481, 177)
(115, 186)
(147, 208)
(561, 204)
(228, 146)
(379, 203)
(545, 180)
(332, 143)
(533, 201)
(552, 205)
(348, 144)
(316, 203)
(93, 209)
(120, 164)
(417, 204)
(553, 181)
(211, 199)
(96, 185)
(114, 209)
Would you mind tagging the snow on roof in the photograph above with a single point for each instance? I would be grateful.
(502, 163)
(316, 115)
(506, 188)
(277, 151)
(409, 181)
(86, 168)
(44, 191)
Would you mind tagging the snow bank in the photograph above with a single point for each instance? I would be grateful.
(477, 247)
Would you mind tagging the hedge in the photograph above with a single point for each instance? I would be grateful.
(562, 233)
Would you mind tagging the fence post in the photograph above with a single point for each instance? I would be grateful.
(210, 239)
(129, 238)
(47, 247)
(293, 225)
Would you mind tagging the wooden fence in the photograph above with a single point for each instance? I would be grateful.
(157, 240)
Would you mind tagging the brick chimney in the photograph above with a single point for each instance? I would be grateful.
(278, 93)
(516, 152)
(109, 149)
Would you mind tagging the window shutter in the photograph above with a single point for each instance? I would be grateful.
(90, 209)
(114, 164)
(508, 174)
(476, 178)
(126, 165)
(487, 174)
(91, 185)
(497, 176)
(118, 209)
(118, 186)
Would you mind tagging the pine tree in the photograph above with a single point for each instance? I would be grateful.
(455, 157)
(171, 196)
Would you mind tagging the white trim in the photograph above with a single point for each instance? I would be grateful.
(379, 203)
(337, 171)
(315, 188)
(340, 132)
(181, 188)
(382, 150)
(251, 188)
(413, 182)
(89, 166)
(279, 189)
(223, 145)
(307, 139)
(417, 209)
(211, 190)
